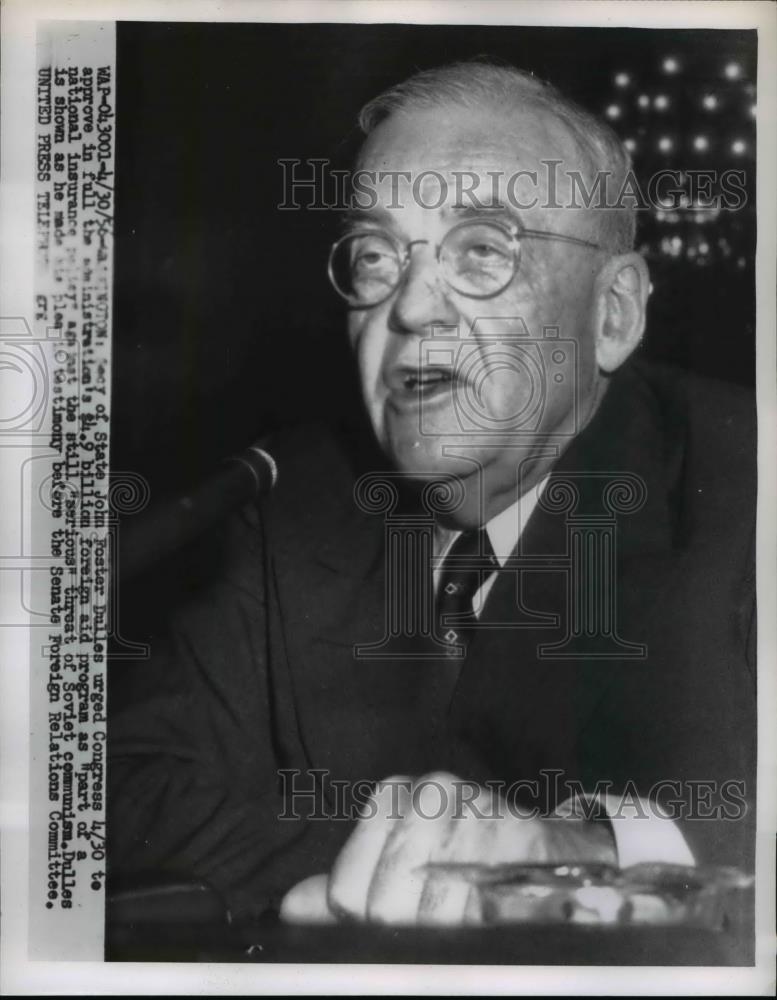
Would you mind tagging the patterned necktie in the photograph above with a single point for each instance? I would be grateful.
(469, 563)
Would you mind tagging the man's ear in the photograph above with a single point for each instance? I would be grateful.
(621, 289)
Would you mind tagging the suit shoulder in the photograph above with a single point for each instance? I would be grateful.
(716, 420)
(310, 453)
(313, 471)
(714, 396)
(318, 466)
(724, 406)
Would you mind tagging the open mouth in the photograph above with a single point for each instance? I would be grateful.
(412, 382)
(426, 378)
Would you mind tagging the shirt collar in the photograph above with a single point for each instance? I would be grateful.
(504, 530)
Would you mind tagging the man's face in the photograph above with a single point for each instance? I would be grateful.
(498, 394)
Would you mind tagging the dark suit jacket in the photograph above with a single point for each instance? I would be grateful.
(259, 675)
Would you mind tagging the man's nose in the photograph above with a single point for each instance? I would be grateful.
(422, 297)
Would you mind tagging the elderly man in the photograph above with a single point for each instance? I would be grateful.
(590, 577)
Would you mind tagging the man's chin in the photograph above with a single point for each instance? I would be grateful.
(427, 458)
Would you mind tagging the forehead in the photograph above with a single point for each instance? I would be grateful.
(506, 153)
(449, 138)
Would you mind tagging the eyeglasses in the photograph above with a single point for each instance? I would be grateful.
(476, 259)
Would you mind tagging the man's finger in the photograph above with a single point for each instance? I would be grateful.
(353, 870)
(306, 903)
(398, 883)
(449, 899)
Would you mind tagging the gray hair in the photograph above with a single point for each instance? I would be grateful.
(472, 84)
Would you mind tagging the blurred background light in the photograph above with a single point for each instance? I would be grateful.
(687, 112)
(695, 112)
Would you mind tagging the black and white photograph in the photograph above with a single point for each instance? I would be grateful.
(395, 497)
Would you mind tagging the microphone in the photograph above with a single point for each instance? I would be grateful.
(148, 537)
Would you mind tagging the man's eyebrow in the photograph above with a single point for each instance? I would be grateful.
(356, 216)
(496, 209)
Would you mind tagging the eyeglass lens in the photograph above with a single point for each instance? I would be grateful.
(477, 259)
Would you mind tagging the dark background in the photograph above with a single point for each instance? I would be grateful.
(225, 325)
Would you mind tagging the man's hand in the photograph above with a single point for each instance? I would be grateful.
(380, 875)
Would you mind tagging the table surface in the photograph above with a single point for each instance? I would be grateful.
(186, 923)
(270, 941)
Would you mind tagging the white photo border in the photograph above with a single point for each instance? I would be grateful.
(22, 976)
